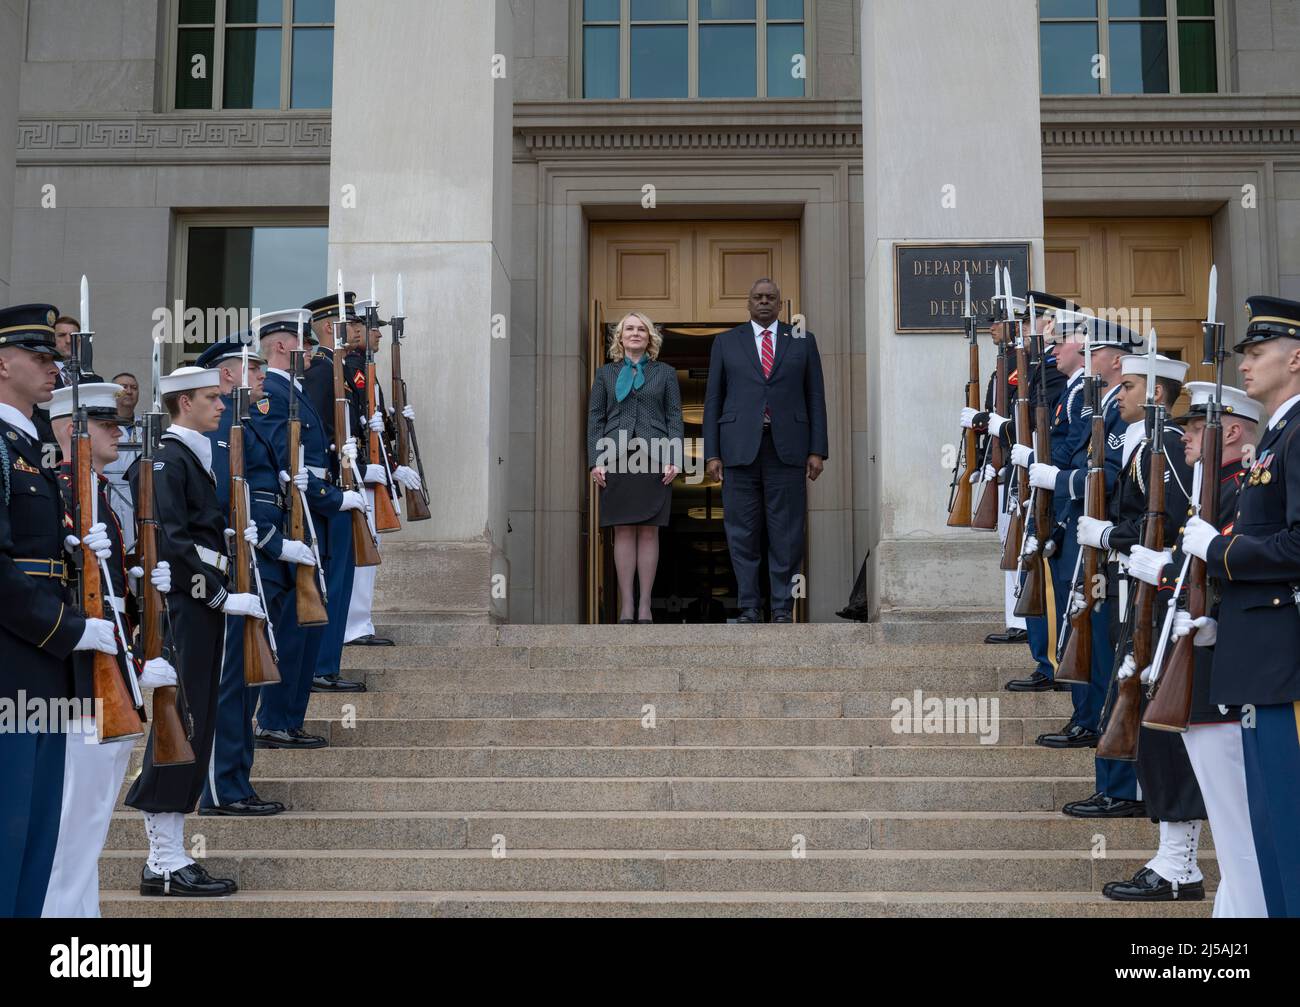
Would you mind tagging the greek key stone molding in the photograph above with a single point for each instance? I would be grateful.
(152, 139)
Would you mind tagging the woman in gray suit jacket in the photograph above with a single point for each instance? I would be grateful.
(634, 451)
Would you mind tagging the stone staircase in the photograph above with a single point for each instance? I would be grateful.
(665, 771)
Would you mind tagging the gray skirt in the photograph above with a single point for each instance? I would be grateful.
(635, 498)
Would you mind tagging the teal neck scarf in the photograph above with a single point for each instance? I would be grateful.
(629, 376)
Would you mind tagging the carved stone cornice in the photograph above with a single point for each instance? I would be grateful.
(175, 138)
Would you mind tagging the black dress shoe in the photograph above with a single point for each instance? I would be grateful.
(1073, 736)
(782, 615)
(248, 807)
(1101, 806)
(1010, 636)
(370, 640)
(1148, 886)
(191, 880)
(1037, 682)
(750, 615)
(332, 683)
(287, 739)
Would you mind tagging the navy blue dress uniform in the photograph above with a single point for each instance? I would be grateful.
(38, 632)
(340, 564)
(283, 707)
(1255, 658)
(228, 789)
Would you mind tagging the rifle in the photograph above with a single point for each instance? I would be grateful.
(386, 506)
(417, 504)
(259, 657)
(1170, 708)
(171, 739)
(1030, 601)
(960, 489)
(988, 508)
(1120, 739)
(117, 713)
(309, 582)
(1033, 593)
(365, 549)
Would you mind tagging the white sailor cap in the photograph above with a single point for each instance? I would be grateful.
(189, 379)
(99, 399)
(291, 320)
(1166, 367)
(1235, 402)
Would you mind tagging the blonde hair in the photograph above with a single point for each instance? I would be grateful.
(616, 343)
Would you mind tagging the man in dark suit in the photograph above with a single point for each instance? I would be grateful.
(765, 427)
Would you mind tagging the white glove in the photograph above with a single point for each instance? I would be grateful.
(968, 417)
(157, 674)
(376, 474)
(407, 477)
(98, 635)
(300, 480)
(293, 551)
(376, 423)
(1077, 604)
(133, 575)
(1207, 629)
(161, 577)
(353, 500)
(1031, 545)
(408, 411)
(250, 533)
(284, 480)
(996, 423)
(1022, 455)
(1126, 668)
(1093, 531)
(1197, 536)
(97, 541)
(349, 452)
(1147, 565)
(244, 604)
(1043, 476)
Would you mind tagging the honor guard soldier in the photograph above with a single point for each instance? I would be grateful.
(39, 630)
(229, 790)
(192, 539)
(1213, 735)
(283, 707)
(93, 772)
(340, 564)
(1257, 567)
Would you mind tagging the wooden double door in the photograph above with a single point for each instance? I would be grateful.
(1160, 264)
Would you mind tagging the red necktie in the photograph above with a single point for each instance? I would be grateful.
(766, 353)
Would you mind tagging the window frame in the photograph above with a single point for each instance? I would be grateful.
(286, 25)
(692, 23)
(1171, 19)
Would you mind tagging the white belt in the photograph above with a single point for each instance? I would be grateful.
(319, 473)
(213, 558)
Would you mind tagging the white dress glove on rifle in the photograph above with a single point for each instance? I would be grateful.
(349, 452)
(1207, 629)
(244, 604)
(996, 423)
(1093, 531)
(407, 477)
(1022, 455)
(97, 541)
(161, 577)
(293, 551)
(376, 423)
(133, 576)
(353, 500)
(98, 635)
(968, 417)
(250, 533)
(1126, 668)
(408, 411)
(1077, 604)
(375, 475)
(1031, 545)
(1197, 536)
(299, 481)
(1043, 476)
(157, 674)
(1147, 565)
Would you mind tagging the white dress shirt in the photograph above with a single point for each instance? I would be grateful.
(16, 419)
(1282, 411)
(196, 442)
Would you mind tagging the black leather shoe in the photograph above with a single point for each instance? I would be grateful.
(1037, 682)
(249, 807)
(782, 615)
(1148, 886)
(191, 881)
(1073, 736)
(332, 683)
(750, 615)
(370, 640)
(1010, 636)
(286, 739)
(1101, 806)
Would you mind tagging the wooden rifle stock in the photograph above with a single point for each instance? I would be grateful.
(987, 510)
(1075, 666)
(171, 743)
(1033, 590)
(364, 549)
(417, 503)
(959, 513)
(386, 518)
(307, 597)
(259, 663)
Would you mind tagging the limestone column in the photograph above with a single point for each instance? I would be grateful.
(12, 33)
(950, 96)
(420, 184)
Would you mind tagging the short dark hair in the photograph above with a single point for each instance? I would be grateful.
(1172, 388)
(68, 320)
(125, 374)
(172, 402)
